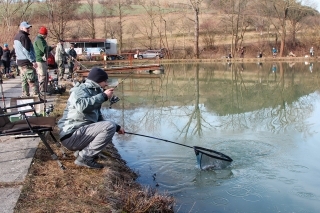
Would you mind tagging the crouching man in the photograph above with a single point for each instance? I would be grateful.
(82, 127)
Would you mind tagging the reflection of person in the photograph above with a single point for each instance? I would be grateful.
(72, 56)
(42, 50)
(311, 52)
(242, 52)
(60, 56)
(311, 67)
(82, 126)
(5, 58)
(274, 68)
(274, 52)
(26, 60)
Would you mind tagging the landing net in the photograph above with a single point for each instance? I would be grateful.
(210, 159)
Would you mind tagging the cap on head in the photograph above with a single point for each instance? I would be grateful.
(25, 24)
(97, 75)
(43, 31)
(6, 45)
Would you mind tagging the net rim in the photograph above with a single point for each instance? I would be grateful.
(221, 155)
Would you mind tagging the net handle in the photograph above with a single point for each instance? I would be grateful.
(195, 148)
(158, 139)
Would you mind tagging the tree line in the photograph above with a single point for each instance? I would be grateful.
(189, 29)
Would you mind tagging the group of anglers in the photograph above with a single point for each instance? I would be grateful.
(83, 129)
(31, 59)
(6, 56)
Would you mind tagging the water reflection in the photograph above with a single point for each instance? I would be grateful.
(266, 119)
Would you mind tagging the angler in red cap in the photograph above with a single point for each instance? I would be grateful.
(42, 50)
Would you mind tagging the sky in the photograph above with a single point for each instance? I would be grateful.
(313, 3)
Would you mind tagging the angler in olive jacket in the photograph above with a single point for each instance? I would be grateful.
(82, 126)
(42, 50)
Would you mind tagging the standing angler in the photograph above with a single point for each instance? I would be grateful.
(60, 58)
(42, 50)
(26, 60)
(72, 57)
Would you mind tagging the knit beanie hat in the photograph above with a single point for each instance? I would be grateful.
(97, 75)
(43, 31)
(6, 45)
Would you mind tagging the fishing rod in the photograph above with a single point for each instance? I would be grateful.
(2, 93)
(114, 99)
(123, 80)
(80, 63)
(72, 58)
(159, 139)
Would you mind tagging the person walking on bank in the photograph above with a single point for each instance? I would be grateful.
(60, 58)
(72, 57)
(42, 49)
(82, 127)
(5, 59)
(26, 60)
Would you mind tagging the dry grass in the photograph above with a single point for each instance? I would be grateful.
(47, 188)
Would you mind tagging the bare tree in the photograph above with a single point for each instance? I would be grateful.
(155, 26)
(60, 13)
(195, 4)
(236, 21)
(147, 24)
(278, 15)
(106, 13)
(296, 14)
(12, 11)
(120, 8)
(89, 16)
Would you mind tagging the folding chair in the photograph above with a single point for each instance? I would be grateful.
(29, 126)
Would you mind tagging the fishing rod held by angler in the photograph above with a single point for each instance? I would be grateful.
(159, 139)
(206, 158)
(123, 80)
(72, 58)
(115, 99)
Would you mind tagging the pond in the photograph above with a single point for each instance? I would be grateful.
(265, 116)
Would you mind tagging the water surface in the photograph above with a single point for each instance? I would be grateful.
(264, 116)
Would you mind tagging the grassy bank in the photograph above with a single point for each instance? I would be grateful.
(47, 188)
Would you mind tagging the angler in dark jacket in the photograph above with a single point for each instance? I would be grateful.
(72, 57)
(5, 58)
(26, 60)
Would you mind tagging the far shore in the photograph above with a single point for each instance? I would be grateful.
(206, 60)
